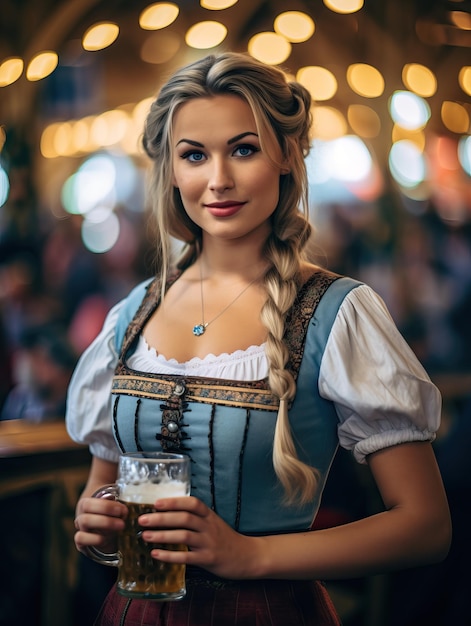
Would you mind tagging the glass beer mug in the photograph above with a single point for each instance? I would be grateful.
(143, 478)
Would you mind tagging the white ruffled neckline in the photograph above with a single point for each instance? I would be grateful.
(250, 364)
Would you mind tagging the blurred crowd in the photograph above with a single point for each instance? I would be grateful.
(54, 295)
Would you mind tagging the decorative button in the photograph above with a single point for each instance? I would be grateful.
(172, 427)
(179, 389)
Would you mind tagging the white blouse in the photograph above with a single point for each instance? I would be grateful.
(382, 394)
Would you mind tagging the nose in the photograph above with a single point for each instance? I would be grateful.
(221, 176)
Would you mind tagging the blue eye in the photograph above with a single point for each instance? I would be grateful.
(193, 156)
(245, 150)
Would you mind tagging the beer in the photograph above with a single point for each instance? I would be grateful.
(143, 478)
(139, 575)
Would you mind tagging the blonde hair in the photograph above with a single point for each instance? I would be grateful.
(282, 113)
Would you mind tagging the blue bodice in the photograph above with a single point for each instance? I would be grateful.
(227, 427)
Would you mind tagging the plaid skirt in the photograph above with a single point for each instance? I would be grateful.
(212, 601)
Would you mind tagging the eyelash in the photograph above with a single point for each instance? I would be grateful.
(252, 148)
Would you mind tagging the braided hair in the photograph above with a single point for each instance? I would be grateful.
(282, 112)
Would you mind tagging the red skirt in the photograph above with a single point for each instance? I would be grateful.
(212, 601)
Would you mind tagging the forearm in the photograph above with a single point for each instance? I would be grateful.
(415, 528)
(386, 541)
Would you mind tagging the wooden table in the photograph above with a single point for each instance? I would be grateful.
(40, 463)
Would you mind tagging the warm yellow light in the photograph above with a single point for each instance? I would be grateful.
(100, 36)
(217, 5)
(344, 6)
(79, 138)
(328, 123)
(461, 19)
(419, 79)
(10, 70)
(365, 80)
(270, 48)
(455, 117)
(42, 65)
(204, 35)
(160, 47)
(46, 144)
(109, 128)
(140, 111)
(417, 137)
(295, 26)
(158, 15)
(364, 121)
(464, 78)
(320, 82)
(62, 141)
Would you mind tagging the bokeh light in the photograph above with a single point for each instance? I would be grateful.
(419, 79)
(464, 154)
(344, 6)
(159, 15)
(295, 26)
(10, 70)
(269, 48)
(4, 186)
(42, 65)
(101, 235)
(409, 110)
(407, 163)
(319, 81)
(100, 36)
(204, 35)
(365, 80)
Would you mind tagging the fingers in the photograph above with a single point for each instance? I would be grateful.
(100, 506)
(97, 521)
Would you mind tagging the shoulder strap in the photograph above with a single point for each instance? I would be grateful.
(128, 310)
(317, 305)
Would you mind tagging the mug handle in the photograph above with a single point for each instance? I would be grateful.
(108, 492)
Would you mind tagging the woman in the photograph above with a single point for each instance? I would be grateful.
(256, 364)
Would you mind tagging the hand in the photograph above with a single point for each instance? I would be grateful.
(97, 522)
(212, 543)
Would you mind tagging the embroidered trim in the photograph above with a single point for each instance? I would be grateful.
(211, 391)
(300, 314)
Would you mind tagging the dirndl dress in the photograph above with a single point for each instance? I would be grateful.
(206, 414)
(212, 601)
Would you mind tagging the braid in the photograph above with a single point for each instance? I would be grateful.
(282, 114)
(281, 284)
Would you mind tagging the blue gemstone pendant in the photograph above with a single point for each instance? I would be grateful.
(199, 329)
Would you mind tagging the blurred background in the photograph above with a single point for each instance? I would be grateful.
(390, 200)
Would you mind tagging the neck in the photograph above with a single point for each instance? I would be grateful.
(229, 260)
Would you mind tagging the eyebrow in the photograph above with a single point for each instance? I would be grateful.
(229, 142)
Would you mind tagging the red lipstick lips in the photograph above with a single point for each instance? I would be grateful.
(224, 209)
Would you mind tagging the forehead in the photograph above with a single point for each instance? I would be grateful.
(222, 113)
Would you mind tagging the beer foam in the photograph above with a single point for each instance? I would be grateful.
(148, 493)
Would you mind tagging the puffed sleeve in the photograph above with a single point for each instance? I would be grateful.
(89, 409)
(381, 392)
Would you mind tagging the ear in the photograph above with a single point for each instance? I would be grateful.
(174, 182)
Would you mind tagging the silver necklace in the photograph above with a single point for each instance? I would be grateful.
(200, 329)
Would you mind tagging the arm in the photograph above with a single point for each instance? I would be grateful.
(414, 529)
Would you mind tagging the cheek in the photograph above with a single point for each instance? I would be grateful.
(190, 186)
